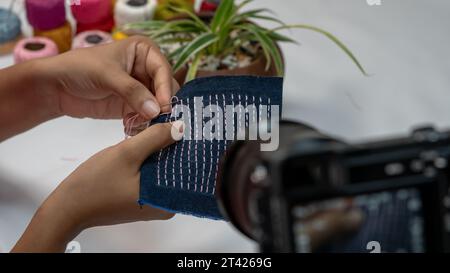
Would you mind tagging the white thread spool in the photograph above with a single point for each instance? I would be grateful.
(198, 5)
(131, 11)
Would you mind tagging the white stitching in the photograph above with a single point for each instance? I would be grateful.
(232, 120)
(218, 143)
(210, 149)
(246, 105)
(195, 148)
(181, 159)
(239, 114)
(167, 159)
(260, 111)
(189, 149)
(204, 156)
(159, 166)
(254, 109)
(174, 156)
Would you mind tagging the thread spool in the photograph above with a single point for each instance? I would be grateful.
(131, 11)
(10, 31)
(45, 15)
(62, 36)
(106, 26)
(91, 38)
(119, 35)
(209, 6)
(34, 48)
(91, 12)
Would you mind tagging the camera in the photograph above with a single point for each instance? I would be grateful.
(399, 186)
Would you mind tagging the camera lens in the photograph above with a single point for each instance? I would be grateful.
(245, 172)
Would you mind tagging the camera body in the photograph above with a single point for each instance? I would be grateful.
(400, 185)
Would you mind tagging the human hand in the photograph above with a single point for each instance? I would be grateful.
(110, 81)
(102, 191)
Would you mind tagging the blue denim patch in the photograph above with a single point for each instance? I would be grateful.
(182, 177)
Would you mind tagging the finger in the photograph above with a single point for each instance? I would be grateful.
(167, 108)
(107, 108)
(160, 72)
(139, 70)
(135, 94)
(151, 140)
(175, 87)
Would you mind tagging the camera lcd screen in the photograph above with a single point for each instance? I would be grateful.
(389, 222)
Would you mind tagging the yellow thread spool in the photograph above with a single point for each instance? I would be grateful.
(62, 36)
(119, 35)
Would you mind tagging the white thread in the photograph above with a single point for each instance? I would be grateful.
(125, 13)
(189, 151)
(240, 114)
(159, 166)
(210, 149)
(181, 162)
(232, 120)
(260, 110)
(204, 157)
(195, 148)
(218, 141)
(254, 116)
(247, 121)
(174, 155)
(167, 159)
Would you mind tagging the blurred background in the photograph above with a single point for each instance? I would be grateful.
(402, 44)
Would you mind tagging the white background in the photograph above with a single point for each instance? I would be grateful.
(403, 43)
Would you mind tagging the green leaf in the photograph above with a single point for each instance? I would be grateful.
(269, 47)
(223, 14)
(200, 43)
(280, 37)
(248, 15)
(153, 24)
(191, 15)
(175, 53)
(268, 18)
(332, 38)
(243, 4)
(193, 68)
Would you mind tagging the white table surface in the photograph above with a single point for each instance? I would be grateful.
(403, 44)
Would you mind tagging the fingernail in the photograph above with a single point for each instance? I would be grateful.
(177, 130)
(151, 109)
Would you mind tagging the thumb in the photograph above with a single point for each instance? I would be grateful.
(153, 139)
(135, 94)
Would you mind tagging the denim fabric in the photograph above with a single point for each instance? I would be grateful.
(182, 177)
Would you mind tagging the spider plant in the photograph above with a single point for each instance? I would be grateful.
(227, 32)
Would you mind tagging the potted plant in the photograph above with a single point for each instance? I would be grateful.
(228, 43)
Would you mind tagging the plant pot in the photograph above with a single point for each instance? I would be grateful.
(256, 68)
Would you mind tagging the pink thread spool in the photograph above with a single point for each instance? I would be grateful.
(46, 14)
(90, 12)
(91, 38)
(34, 48)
